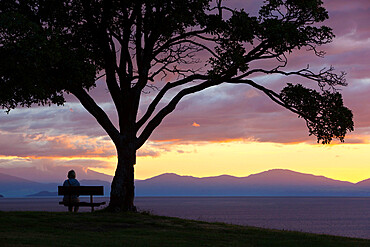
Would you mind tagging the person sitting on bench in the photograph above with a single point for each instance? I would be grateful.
(71, 181)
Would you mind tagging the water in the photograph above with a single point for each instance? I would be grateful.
(342, 216)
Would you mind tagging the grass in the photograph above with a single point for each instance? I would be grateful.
(142, 229)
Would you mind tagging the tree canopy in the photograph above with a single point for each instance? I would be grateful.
(52, 47)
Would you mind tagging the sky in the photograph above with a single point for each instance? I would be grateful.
(229, 129)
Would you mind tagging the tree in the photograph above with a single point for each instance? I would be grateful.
(52, 47)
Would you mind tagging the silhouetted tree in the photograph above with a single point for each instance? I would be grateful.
(52, 47)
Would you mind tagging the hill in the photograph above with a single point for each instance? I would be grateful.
(82, 182)
(277, 182)
(12, 186)
(364, 183)
(54, 174)
(44, 193)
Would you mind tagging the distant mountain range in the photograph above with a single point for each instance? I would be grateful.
(54, 174)
(12, 186)
(277, 182)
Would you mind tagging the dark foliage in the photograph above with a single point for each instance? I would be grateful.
(325, 114)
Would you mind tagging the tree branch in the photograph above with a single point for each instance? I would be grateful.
(271, 94)
(97, 112)
(181, 54)
(99, 31)
(161, 93)
(176, 39)
(158, 118)
(323, 78)
(202, 46)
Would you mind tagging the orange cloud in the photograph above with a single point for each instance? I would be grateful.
(195, 124)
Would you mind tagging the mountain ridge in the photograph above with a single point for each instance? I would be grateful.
(365, 182)
(175, 176)
(274, 182)
(52, 174)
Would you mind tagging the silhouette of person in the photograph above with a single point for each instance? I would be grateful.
(71, 181)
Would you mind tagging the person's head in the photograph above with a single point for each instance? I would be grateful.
(71, 174)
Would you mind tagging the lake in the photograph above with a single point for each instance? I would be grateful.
(342, 216)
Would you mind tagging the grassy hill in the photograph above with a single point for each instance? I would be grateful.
(129, 229)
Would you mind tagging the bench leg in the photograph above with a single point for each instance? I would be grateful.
(91, 201)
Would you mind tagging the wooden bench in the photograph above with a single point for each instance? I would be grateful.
(81, 190)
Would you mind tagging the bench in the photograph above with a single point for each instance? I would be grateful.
(81, 190)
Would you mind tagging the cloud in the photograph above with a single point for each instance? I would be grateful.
(142, 152)
(54, 171)
(226, 112)
(41, 145)
(195, 124)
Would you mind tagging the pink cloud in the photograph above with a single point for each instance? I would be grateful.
(224, 113)
(51, 171)
(40, 145)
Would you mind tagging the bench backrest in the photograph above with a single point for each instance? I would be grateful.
(80, 190)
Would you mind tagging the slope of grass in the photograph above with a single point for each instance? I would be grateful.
(129, 229)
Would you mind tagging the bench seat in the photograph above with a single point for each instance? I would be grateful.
(81, 190)
(83, 204)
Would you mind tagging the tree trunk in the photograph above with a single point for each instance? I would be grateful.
(123, 189)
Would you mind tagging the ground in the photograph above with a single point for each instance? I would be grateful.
(143, 229)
